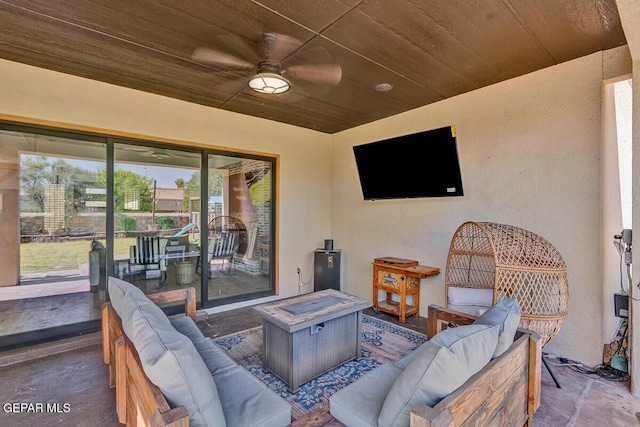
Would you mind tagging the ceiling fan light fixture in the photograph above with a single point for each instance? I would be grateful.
(269, 83)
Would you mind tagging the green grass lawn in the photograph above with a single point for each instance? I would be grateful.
(39, 257)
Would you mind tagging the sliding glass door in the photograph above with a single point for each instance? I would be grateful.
(76, 207)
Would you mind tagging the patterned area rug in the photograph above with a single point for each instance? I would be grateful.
(382, 342)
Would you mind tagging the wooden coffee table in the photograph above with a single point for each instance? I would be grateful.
(308, 335)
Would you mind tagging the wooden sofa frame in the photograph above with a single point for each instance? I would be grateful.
(138, 401)
(505, 392)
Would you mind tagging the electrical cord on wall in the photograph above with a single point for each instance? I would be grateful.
(622, 242)
(625, 259)
(301, 281)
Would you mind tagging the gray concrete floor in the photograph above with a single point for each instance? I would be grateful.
(585, 400)
(79, 378)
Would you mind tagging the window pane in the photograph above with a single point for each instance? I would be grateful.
(156, 199)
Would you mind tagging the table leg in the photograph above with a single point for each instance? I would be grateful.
(265, 347)
(358, 335)
(403, 304)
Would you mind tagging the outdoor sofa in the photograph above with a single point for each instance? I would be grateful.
(505, 391)
(483, 374)
(167, 373)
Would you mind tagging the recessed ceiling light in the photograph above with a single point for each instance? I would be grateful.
(383, 87)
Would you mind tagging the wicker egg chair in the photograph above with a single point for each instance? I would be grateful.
(513, 262)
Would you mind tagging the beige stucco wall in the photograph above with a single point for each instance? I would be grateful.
(304, 187)
(529, 151)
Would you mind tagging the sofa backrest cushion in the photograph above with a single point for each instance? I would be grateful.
(445, 363)
(169, 359)
(505, 313)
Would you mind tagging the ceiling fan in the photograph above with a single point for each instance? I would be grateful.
(269, 76)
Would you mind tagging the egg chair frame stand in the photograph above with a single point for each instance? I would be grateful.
(513, 263)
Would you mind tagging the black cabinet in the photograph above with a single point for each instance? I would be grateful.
(326, 270)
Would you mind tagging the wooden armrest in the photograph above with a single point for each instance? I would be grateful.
(535, 371)
(437, 314)
(188, 295)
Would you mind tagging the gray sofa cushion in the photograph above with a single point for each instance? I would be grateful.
(215, 359)
(359, 404)
(186, 326)
(404, 361)
(506, 314)
(169, 358)
(445, 363)
(248, 402)
(241, 391)
(127, 300)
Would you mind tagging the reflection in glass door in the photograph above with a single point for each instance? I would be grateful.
(239, 218)
(156, 210)
(53, 211)
(62, 209)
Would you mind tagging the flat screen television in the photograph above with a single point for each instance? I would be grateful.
(423, 164)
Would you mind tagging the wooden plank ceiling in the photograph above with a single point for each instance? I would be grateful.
(428, 50)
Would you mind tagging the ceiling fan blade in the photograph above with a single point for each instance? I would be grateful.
(246, 48)
(215, 57)
(279, 46)
(330, 74)
(311, 55)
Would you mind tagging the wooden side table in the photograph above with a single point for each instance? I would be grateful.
(401, 277)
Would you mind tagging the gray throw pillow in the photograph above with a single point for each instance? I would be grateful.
(505, 313)
(445, 363)
(169, 359)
